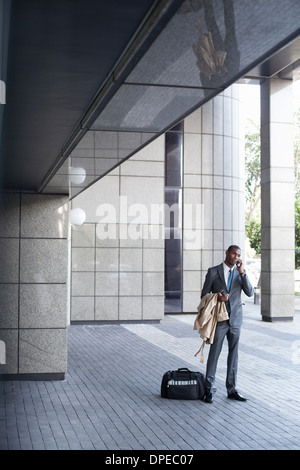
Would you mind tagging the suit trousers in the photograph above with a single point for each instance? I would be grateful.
(233, 334)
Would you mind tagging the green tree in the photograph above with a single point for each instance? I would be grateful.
(252, 185)
(297, 190)
(252, 170)
(253, 190)
(253, 230)
(297, 234)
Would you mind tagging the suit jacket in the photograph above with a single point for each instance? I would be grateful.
(215, 281)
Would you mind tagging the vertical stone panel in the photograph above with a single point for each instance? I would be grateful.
(33, 284)
(220, 190)
(277, 201)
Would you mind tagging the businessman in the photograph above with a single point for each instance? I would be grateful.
(227, 280)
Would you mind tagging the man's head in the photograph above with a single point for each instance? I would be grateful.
(233, 254)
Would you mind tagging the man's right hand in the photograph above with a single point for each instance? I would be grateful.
(221, 297)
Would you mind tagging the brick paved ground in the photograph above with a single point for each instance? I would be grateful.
(111, 400)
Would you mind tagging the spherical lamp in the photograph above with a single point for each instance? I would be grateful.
(77, 216)
(77, 175)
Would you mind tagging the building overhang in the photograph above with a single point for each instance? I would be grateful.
(126, 69)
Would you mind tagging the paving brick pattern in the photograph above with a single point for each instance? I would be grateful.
(111, 400)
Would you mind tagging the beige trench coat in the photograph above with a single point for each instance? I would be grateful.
(210, 311)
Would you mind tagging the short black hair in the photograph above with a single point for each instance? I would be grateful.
(233, 246)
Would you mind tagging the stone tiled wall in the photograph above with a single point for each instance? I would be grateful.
(33, 283)
(121, 277)
(214, 178)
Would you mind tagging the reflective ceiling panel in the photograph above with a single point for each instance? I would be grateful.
(147, 108)
(206, 46)
(208, 43)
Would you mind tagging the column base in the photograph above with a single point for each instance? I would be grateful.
(34, 377)
(274, 319)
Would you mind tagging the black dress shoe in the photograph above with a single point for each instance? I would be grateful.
(209, 398)
(236, 396)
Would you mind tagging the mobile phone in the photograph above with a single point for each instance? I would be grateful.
(224, 292)
(238, 264)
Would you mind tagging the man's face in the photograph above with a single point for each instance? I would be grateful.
(232, 256)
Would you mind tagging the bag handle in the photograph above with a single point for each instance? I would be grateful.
(183, 368)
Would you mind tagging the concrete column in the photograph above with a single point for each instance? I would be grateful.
(214, 178)
(33, 285)
(277, 204)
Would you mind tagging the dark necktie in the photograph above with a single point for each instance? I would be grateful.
(228, 288)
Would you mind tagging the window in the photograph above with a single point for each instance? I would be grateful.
(173, 219)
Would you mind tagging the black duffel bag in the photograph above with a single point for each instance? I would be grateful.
(183, 384)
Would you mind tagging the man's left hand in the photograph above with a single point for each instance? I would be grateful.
(239, 266)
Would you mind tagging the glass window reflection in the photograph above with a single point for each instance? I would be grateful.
(173, 219)
(173, 158)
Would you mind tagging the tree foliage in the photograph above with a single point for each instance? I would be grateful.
(297, 234)
(297, 190)
(252, 171)
(253, 230)
(253, 186)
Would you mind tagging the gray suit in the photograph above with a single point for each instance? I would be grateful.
(215, 282)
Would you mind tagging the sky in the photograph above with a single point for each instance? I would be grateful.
(250, 95)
